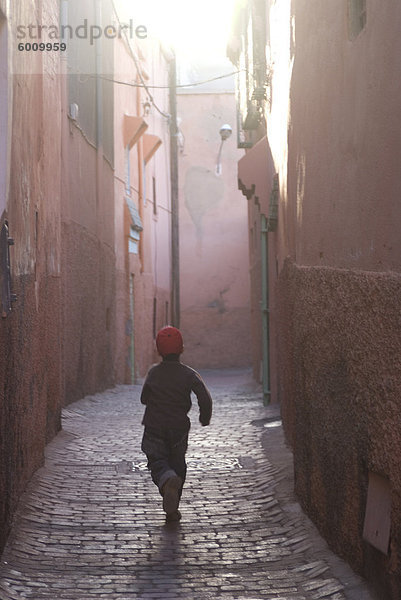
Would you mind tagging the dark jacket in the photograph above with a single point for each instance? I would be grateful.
(167, 396)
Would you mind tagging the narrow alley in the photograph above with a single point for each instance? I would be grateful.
(230, 169)
(90, 524)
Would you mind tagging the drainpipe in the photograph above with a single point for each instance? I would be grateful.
(265, 311)
(175, 258)
(139, 146)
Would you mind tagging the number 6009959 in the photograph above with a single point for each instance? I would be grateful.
(42, 47)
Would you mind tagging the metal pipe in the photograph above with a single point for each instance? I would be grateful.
(175, 258)
(265, 311)
(139, 146)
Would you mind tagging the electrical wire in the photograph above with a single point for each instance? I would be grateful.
(166, 87)
(147, 87)
(138, 70)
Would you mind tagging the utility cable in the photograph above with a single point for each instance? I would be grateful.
(138, 70)
(166, 87)
(146, 86)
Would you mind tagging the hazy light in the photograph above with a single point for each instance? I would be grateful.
(191, 27)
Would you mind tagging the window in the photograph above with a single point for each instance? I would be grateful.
(133, 241)
(135, 227)
(356, 17)
(247, 50)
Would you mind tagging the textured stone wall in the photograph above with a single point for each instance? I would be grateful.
(89, 313)
(30, 337)
(340, 387)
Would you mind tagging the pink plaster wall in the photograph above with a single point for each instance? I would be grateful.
(256, 172)
(344, 124)
(88, 268)
(214, 267)
(4, 110)
(30, 360)
(60, 341)
(150, 272)
(333, 125)
(338, 292)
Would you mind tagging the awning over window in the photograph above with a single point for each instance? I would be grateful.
(135, 218)
(133, 128)
(151, 143)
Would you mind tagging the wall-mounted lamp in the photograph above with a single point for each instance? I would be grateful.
(73, 112)
(225, 132)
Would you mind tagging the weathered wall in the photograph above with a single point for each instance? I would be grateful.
(339, 368)
(88, 273)
(30, 360)
(343, 147)
(256, 175)
(143, 278)
(333, 119)
(342, 405)
(88, 255)
(214, 266)
(4, 110)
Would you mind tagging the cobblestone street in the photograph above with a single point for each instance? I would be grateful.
(91, 525)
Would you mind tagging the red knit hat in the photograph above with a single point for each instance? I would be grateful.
(169, 341)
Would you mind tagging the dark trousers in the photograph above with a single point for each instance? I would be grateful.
(165, 451)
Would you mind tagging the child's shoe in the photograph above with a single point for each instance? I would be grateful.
(171, 498)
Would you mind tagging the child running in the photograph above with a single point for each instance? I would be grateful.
(166, 394)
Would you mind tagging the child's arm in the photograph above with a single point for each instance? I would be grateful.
(204, 399)
(146, 388)
(145, 393)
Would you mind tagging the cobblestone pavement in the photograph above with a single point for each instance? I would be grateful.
(91, 525)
